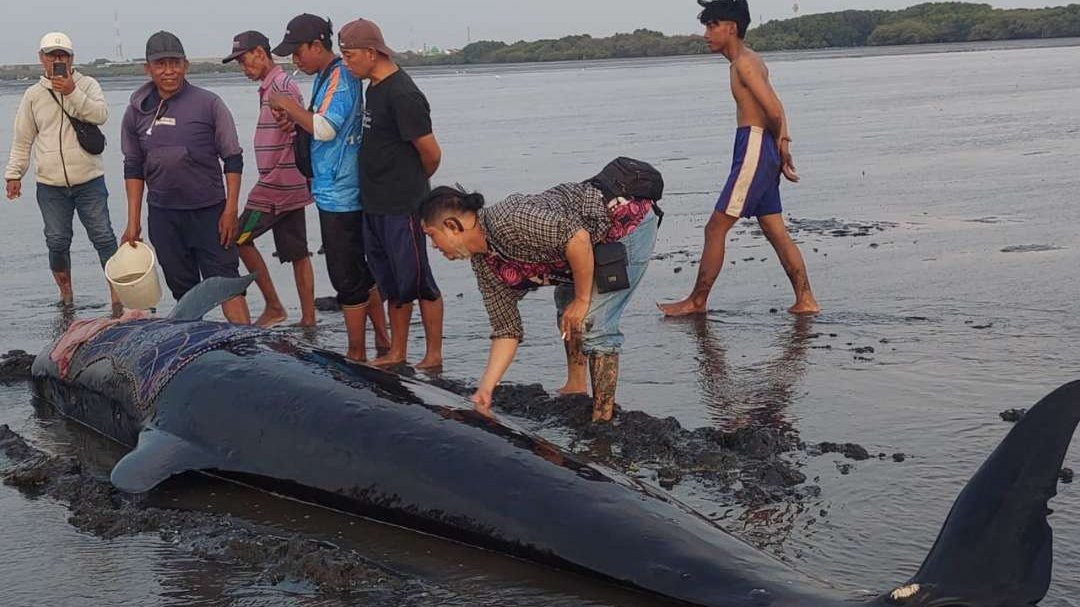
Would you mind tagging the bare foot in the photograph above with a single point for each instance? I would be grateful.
(430, 363)
(383, 348)
(686, 307)
(306, 323)
(569, 390)
(357, 356)
(389, 360)
(806, 308)
(603, 413)
(117, 309)
(271, 317)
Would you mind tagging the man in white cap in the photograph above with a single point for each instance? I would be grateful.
(69, 178)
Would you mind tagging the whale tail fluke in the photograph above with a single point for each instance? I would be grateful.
(996, 547)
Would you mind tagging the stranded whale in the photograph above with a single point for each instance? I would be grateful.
(186, 394)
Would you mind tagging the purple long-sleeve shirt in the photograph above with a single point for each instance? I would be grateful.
(180, 146)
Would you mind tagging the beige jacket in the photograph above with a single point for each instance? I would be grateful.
(40, 124)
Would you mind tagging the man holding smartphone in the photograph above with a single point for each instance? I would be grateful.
(69, 179)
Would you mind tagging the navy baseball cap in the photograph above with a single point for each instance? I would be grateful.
(246, 41)
(164, 45)
(301, 30)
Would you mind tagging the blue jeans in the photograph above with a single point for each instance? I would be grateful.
(58, 206)
(602, 334)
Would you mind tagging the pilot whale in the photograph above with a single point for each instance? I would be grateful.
(186, 394)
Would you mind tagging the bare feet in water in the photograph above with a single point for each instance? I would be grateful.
(571, 390)
(389, 360)
(805, 308)
(271, 317)
(430, 363)
(686, 307)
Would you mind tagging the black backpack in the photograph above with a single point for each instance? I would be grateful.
(629, 178)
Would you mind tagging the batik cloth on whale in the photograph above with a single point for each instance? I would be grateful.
(148, 353)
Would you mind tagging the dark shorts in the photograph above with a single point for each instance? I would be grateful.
(753, 187)
(290, 232)
(343, 245)
(188, 246)
(397, 253)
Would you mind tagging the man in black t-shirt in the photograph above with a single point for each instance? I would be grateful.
(398, 154)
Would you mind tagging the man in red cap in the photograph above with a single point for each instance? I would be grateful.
(398, 155)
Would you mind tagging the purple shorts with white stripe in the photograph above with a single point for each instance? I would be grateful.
(753, 189)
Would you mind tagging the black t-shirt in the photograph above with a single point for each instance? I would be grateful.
(392, 179)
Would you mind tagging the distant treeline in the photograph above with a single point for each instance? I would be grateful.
(640, 43)
(921, 24)
(100, 69)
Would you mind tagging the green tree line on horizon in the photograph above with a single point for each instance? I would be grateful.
(920, 24)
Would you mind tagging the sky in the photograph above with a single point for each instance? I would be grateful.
(207, 26)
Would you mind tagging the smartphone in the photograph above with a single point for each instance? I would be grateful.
(59, 70)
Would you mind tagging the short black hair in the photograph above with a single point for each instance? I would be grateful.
(446, 199)
(737, 11)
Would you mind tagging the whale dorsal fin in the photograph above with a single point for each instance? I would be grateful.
(158, 456)
(208, 295)
(996, 546)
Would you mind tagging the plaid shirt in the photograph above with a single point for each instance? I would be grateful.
(533, 229)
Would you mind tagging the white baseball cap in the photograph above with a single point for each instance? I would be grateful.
(56, 41)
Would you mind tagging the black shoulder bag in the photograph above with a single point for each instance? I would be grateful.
(302, 139)
(90, 137)
(626, 178)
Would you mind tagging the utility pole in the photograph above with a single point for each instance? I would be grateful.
(119, 51)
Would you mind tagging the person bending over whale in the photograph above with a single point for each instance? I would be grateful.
(533, 240)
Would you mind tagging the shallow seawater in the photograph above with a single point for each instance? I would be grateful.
(937, 213)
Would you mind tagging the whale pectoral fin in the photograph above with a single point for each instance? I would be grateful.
(208, 295)
(158, 456)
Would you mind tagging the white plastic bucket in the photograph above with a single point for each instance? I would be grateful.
(132, 272)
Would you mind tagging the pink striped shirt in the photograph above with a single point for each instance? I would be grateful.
(281, 187)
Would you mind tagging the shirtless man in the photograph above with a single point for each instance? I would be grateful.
(761, 155)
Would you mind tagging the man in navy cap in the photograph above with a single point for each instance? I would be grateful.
(177, 141)
(332, 124)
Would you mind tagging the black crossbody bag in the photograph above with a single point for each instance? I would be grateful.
(302, 139)
(627, 178)
(90, 137)
(611, 264)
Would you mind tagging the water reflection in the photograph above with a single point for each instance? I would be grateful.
(753, 395)
(756, 395)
